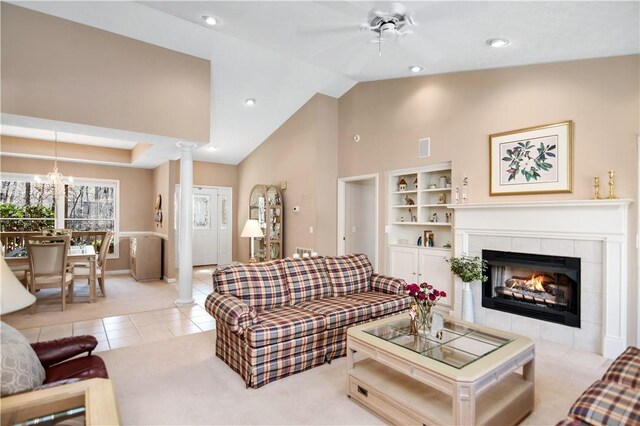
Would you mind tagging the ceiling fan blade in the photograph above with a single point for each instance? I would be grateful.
(329, 29)
(398, 8)
(379, 13)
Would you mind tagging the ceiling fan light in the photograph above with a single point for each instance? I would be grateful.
(415, 68)
(211, 20)
(497, 42)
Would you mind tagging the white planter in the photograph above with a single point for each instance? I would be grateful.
(467, 302)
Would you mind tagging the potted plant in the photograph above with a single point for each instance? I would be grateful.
(468, 269)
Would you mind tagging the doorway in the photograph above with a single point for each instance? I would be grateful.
(212, 225)
(358, 216)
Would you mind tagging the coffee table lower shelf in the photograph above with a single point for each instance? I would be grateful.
(403, 400)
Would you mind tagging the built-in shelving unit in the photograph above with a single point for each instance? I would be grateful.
(420, 225)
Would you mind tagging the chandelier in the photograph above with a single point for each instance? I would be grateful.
(55, 178)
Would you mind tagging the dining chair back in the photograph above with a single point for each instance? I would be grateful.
(57, 231)
(48, 265)
(82, 271)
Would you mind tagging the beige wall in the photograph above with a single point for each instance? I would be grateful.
(136, 193)
(160, 184)
(60, 70)
(41, 148)
(458, 111)
(301, 152)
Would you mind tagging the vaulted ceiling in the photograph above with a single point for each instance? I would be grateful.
(282, 53)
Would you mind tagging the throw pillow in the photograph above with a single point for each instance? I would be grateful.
(20, 366)
(349, 274)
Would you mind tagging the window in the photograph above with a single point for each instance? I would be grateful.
(25, 205)
(89, 205)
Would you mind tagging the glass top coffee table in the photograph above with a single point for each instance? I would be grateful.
(456, 345)
(469, 374)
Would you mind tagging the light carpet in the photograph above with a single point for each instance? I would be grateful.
(124, 296)
(181, 382)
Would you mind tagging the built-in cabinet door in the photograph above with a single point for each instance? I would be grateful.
(404, 263)
(433, 269)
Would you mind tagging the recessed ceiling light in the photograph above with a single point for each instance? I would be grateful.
(210, 20)
(212, 148)
(497, 42)
(415, 68)
(250, 102)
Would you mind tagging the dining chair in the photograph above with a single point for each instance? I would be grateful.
(48, 266)
(56, 231)
(83, 271)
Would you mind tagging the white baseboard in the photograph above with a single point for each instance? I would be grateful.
(119, 272)
(169, 280)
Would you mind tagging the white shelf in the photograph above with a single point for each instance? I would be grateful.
(405, 207)
(415, 191)
(423, 223)
(436, 190)
(420, 247)
(435, 205)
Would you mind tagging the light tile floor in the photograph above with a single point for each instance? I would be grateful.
(136, 328)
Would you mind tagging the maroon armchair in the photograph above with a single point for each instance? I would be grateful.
(54, 356)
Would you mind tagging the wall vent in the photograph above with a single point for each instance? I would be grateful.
(424, 147)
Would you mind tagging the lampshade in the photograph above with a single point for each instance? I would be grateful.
(252, 229)
(13, 295)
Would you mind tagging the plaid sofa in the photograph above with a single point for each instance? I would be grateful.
(612, 400)
(278, 318)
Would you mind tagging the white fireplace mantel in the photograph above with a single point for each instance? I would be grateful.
(604, 221)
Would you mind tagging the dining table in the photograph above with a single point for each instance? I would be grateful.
(76, 254)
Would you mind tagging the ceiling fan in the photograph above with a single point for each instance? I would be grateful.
(389, 24)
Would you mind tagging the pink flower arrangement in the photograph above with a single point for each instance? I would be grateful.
(424, 293)
(425, 298)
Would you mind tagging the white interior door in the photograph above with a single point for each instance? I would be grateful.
(205, 226)
(358, 216)
(225, 224)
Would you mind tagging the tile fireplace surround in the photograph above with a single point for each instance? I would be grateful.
(593, 230)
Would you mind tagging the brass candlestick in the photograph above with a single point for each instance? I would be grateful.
(611, 195)
(596, 188)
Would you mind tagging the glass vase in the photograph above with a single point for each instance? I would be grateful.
(424, 318)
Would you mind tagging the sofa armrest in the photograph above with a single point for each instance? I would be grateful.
(387, 284)
(54, 351)
(230, 311)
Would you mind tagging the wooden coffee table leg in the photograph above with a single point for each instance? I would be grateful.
(464, 405)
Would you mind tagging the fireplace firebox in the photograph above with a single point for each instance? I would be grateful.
(532, 285)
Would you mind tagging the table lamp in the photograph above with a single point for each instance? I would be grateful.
(252, 230)
(13, 295)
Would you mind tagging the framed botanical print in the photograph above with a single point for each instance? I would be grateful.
(536, 160)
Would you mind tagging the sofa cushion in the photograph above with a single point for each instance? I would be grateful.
(349, 274)
(21, 369)
(625, 369)
(284, 323)
(307, 279)
(339, 311)
(381, 303)
(260, 285)
(608, 403)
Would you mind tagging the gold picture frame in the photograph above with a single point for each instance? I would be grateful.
(535, 160)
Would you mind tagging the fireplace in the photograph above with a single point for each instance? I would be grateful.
(536, 286)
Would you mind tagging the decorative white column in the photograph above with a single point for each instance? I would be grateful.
(185, 248)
